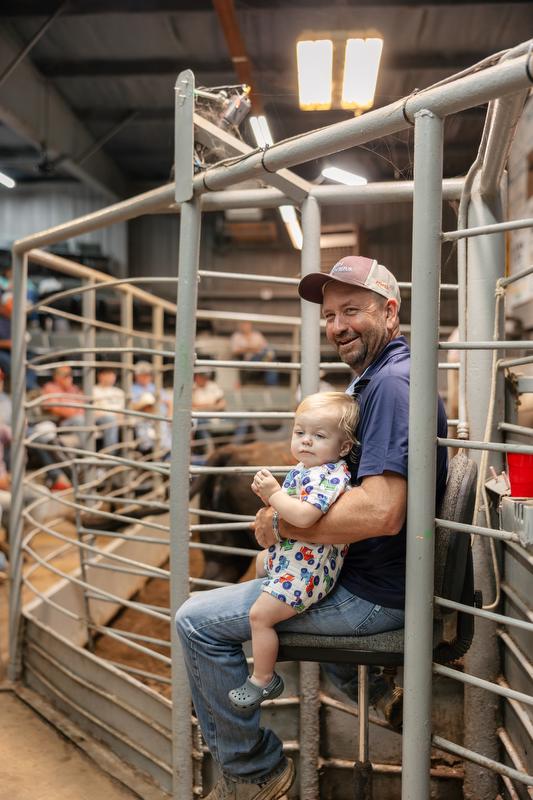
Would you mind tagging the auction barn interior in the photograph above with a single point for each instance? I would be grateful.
(170, 171)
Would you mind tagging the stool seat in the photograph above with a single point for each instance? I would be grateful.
(382, 649)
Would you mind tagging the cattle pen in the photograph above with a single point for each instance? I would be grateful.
(123, 541)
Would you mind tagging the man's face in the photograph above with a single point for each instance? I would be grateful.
(107, 378)
(143, 378)
(359, 323)
(63, 377)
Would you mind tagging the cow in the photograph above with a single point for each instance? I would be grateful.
(232, 493)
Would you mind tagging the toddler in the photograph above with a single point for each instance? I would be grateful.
(298, 574)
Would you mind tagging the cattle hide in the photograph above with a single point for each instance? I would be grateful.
(233, 494)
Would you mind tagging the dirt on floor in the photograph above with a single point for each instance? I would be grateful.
(155, 592)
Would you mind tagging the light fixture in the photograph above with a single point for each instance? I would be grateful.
(361, 65)
(261, 131)
(263, 138)
(6, 181)
(288, 215)
(343, 176)
(315, 65)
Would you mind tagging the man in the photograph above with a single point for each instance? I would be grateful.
(62, 389)
(249, 344)
(360, 303)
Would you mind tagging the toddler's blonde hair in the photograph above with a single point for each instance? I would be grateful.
(346, 406)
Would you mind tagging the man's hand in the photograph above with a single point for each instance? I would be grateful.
(262, 527)
(265, 485)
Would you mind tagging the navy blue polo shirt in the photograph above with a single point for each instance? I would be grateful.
(374, 569)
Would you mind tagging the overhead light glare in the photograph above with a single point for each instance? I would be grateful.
(261, 131)
(288, 215)
(343, 176)
(263, 138)
(315, 66)
(6, 181)
(361, 65)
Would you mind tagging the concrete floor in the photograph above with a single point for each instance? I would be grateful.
(37, 762)
(40, 764)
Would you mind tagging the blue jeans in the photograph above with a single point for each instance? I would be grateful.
(212, 627)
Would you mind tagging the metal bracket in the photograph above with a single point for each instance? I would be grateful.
(184, 136)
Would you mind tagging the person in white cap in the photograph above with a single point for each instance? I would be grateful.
(360, 301)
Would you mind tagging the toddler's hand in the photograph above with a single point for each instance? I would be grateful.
(264, 484)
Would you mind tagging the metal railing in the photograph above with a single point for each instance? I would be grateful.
(426, 111)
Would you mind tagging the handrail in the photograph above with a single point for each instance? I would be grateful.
(69, 267)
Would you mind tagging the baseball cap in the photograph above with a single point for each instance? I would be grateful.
(354, 270)
(143, 368)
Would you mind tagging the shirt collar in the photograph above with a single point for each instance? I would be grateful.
(395, 346)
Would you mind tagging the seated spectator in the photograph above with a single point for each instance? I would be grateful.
(64, 390)
(146, 430)
(106, 396)
(5, 435)
(6, 311)
(206, 396)
(143, 381)
(249, 344)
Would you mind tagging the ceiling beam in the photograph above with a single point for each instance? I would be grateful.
(34, 110)
(37, 8)
(242, 63)
(109, 68)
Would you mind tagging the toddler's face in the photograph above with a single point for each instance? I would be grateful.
(317, 439)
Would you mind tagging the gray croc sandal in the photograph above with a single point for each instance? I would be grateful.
(249, 696)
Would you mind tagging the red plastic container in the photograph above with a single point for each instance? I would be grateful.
(520, 468)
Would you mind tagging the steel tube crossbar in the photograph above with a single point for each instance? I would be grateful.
(496, 447)
(473, 680)
(504, 282)
(521, 429)
(482, 230)
(483, 761)
(523, 344)
(462, 527)
(480, 612)
(463, 93)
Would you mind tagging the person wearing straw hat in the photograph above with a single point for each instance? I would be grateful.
(360, 301)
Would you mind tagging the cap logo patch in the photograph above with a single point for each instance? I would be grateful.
(341, 268)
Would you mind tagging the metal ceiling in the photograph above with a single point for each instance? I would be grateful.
(93, 98)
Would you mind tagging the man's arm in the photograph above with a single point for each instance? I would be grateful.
(294, 511)
(375, 508)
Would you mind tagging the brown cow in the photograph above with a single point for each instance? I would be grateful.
(232, 494)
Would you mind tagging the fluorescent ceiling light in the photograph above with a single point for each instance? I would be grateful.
(263, 137)
(361, 65)
(343, 176)
(5, 180)
(288, 215)
(261, 131)
(315, 64)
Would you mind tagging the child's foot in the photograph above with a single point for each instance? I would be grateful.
(250, 695)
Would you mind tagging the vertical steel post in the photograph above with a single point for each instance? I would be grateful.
(427, 223)
(310, 360)
(89, 338)
(486, 263)
(310, 312)
(126, 321)
(179, 486)
(362, 771)
(157, 364)
(18, 425)
(187, 301)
